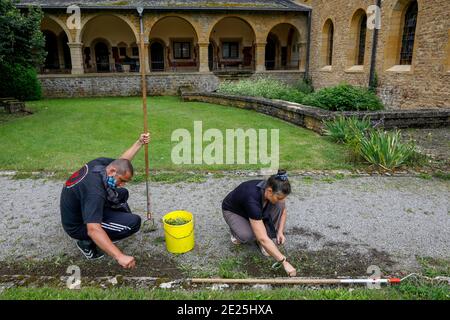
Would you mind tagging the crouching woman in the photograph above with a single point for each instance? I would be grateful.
(256, 210)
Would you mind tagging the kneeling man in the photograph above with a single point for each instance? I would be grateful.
(94, 208)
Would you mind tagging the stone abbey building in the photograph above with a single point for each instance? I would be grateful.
(197, 44)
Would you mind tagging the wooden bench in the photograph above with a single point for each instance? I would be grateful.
(12, 105)
(182, 64)
(224, 64)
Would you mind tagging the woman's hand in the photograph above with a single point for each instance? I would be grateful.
(281, 239)
(290, 270)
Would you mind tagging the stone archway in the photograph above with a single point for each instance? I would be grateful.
(282, 48)
(58, 59)
(109, 31)
(122, 20)
(180, 40)
(232, 40)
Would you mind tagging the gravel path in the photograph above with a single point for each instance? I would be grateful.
(399, 217)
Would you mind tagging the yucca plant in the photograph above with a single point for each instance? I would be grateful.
(347, 130)
(385, 149)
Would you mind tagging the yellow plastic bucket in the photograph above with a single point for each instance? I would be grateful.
(179, 239)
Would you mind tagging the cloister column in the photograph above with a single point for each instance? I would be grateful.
(203, 56)
(302, 55)
(146, 57)
(261, 56)
(76, 56)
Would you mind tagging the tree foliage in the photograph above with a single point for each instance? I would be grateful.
(21, 39)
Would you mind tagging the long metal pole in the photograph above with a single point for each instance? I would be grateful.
(144, 107)
(283, 281)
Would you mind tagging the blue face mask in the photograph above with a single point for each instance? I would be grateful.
(111, 181)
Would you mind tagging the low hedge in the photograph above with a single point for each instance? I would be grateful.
(343, 97)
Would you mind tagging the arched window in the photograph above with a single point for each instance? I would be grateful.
(326, 50)
(330, 45)
(448, 51)
(362, 40)
(409, 31)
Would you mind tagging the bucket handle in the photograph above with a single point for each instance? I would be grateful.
(181, 237)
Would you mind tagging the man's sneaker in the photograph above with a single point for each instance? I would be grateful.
(89, 249)
(234, 240)
(263, 251)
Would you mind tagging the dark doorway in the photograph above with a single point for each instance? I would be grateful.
(157, 56)
(102, 57)
(284, 54)
(271, 53)
(248, 56)
(211, 56)
(51, 47)
(66, 51)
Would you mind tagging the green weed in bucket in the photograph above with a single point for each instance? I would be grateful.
(177, 221)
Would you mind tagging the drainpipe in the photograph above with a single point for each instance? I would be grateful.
(308, 46)
(373, 59)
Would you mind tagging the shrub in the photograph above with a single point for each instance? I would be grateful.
(347, 130)
(266, 88)
(384, 149)
(344, 97)
(293, 96)
(19, 82)
(304, 86)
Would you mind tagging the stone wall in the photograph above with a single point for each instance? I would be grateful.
(427, 82)
(289, 77)
(95, 85)
(117, 84)
(312, 118)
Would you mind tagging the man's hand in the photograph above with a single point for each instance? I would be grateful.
(290, 270)
(281, 239)
(127, 262)
(144, 138)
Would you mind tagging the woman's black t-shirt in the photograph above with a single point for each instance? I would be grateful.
(246, 200)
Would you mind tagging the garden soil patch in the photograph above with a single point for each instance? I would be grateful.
(146, 267)
(334, 228)
(432, 142)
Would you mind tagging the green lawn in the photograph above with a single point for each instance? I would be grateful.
(401, 292)
(62, 134)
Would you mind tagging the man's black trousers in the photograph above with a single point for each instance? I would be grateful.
(117, 223)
